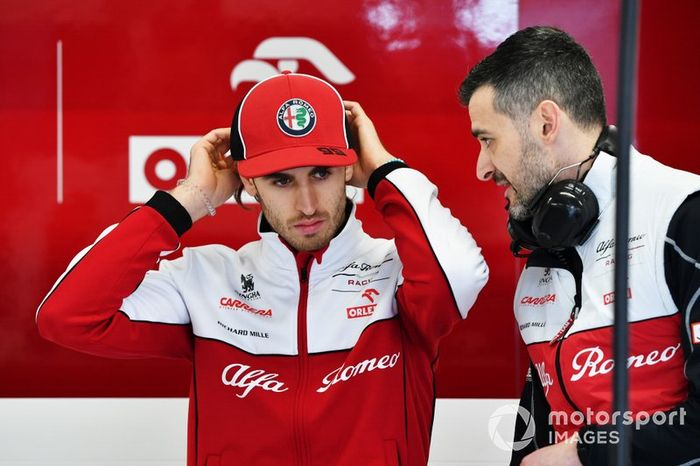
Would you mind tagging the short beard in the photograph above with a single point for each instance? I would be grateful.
(334, 219)
(533, 175)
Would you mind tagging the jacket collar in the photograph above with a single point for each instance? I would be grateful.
(601, 179)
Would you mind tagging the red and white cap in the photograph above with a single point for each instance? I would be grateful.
(287, 121)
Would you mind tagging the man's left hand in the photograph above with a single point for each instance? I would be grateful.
(371, 154)
(560, 454)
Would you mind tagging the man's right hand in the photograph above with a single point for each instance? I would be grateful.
(211, 172)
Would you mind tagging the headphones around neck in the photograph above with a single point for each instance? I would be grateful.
(564, 213)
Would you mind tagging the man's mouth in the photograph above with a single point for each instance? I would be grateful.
(309, 227)
(501, 180)
(509, 190)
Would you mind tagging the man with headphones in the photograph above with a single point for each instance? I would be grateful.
(315, 344)
(537, 108)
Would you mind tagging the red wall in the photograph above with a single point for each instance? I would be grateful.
(163, 69)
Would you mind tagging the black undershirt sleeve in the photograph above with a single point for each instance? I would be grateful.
(537, 416)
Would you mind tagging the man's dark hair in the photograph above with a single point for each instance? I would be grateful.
(238, 195)
(535, 64)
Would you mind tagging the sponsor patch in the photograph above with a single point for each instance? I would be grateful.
(363, 311)
(696, 332)
(235, 304)
(296, 117)
(609, 298)
(345, 373)
(538, 300)
(360, 311)
(243, 332)
(244, 377)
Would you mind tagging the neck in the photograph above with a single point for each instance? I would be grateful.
(578, 150)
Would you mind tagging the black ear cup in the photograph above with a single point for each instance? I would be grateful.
(520, 232)
(564, 216)
(567, 215)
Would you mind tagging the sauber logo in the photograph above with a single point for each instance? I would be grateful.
(231, 303)
(345, 373)
(538, 300)
(240, 375)
(288, 51)
(591, 361)
(609, 298)
(365, 310)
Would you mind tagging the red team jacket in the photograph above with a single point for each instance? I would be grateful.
(310, 359)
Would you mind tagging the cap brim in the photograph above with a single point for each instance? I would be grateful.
(295, 157)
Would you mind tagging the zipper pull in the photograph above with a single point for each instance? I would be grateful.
(567, 325)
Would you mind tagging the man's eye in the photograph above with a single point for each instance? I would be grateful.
(321, 173)
(281, 181)
(486, 141)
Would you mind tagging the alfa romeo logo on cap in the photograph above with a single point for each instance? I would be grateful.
(296, 117)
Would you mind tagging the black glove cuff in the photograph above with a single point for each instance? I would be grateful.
(172, 211)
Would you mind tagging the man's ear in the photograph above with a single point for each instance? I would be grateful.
(547, 121)
(249, 186)
(348, 173)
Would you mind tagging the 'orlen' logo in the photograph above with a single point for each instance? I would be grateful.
(157, 162)
(296, 117)
(288, 51)
(366, 310)
(609, 298)
(539, 300)
(231, 303)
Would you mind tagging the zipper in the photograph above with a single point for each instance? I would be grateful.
(528, 380)
(303, 361)
(559, 338)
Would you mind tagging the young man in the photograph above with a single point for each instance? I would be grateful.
(315, 344)
(536, 106)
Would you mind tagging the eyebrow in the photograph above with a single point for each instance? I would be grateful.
(476, 132)
(274, 175)
(281, 174)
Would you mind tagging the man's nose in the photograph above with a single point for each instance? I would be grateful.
(484, 167)
(306, 199)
